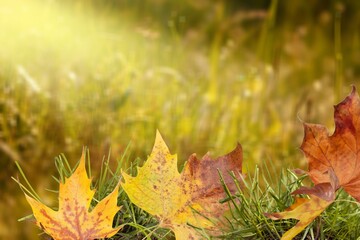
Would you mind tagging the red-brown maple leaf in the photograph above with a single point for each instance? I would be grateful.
(334, 162)
(340, 151)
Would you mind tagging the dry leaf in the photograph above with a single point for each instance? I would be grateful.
(178, 199)
(73, 221)
(306, 210)
(333, 163)
(340, 151)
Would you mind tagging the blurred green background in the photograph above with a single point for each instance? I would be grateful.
(207, 74)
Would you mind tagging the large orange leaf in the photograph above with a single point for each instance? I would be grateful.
(73, 221)
(340, 151)
(178, 199)
(334, 162)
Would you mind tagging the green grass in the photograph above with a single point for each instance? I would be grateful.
(258, 193)
(264, 194)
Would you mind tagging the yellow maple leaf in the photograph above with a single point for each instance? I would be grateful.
(73, 219)
(306, 209)
(178, 199)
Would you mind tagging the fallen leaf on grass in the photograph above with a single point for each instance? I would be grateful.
(334, 162)
(306, 209)
(73, 221)
(178, 199)
(340, 151)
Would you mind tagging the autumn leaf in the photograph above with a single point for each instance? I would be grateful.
(340, 151)
(73, 221)
(334, 162)
(306, 209)
(182, 199)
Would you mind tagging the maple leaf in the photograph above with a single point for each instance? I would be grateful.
(178, 199)
(334, 162)
(339, 152)
(306, 210)
(73, 219)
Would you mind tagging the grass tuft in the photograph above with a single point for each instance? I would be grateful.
(255, 196)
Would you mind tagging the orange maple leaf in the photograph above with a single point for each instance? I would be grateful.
(334, 162)
(339, 152)
(73, 221)
(191, 197)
